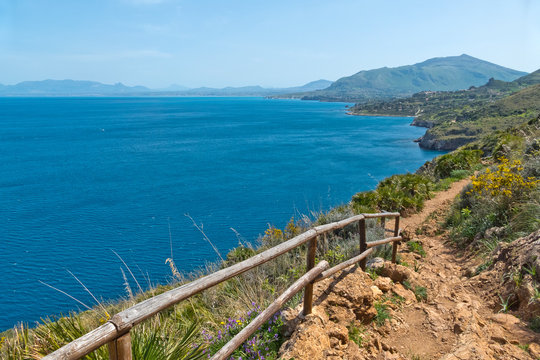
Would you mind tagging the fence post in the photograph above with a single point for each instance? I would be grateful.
(395, 243)
(120, 349)
(308, 291)
(383, 224)
(363, 244)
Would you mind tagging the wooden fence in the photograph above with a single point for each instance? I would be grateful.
(116, 332)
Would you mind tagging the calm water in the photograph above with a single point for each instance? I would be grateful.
(80, 177)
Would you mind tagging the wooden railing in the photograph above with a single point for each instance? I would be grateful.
(116, 332)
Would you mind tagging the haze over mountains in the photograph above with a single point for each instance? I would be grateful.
(93, 88)
(437, 74)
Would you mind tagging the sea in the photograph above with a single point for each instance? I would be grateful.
(92, 189)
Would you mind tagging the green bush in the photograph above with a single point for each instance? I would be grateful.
(456, 160)
(404, 193)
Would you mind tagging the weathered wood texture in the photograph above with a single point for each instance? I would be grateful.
(86, 343)
(308, 291)
(379, 215)
(363, 245)
(120, 349)
(383, 241)
(122, 322)
(327, 273)
(395, 244)
(246, 332)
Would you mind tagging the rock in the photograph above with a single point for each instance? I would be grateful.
(534, 350)
(377, 293)
(383, 283)
(494, 232)
(375, 263)
(399, 274)
(309, 341)
(406, 294)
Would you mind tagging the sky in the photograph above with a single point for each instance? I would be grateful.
(275, 43)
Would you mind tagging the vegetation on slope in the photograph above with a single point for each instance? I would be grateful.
(437, 74)
(460, 117)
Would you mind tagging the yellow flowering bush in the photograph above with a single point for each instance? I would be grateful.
(506, 181)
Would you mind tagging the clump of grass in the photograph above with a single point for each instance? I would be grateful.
(421, 293)
(534, 324)
(505, 304)
(483, 266)
(416, 247)
(382, 313)
(357, 334)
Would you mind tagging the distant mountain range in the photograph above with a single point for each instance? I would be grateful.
(437, 74)
(92, 88)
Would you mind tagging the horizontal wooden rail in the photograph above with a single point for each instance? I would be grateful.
(383, 241)
(327, 273)
(121, 323)
(381, 215)
(246, 332)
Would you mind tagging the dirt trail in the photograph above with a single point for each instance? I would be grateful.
(453, 323)
(441, 200)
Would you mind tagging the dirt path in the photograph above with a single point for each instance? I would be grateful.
(440, 200)
(453, 323)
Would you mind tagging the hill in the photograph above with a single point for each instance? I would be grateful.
(473, 122)
(459, 117)
(430, 107)
(437, 74)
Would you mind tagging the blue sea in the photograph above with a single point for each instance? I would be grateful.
(83, 177)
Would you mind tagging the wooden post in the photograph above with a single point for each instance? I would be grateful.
(120, 349)
(363, 244)
(308, 291)
(383, 224)
(395, 244)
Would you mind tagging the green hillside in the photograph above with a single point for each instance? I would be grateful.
(437, 74)
(473, 123)
(456, 118)
(430, 107)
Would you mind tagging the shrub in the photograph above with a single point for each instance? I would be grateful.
(457, 160)
(404, 193)
(507, 181)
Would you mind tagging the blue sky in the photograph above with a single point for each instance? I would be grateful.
(270, 43)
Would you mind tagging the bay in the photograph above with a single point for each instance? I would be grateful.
(83, 177)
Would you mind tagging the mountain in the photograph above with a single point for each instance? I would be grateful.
(92, 88)
(312, 86)
(68, 88)
(252, 90)
(432, 107)
(455, 118)
(437, 74)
